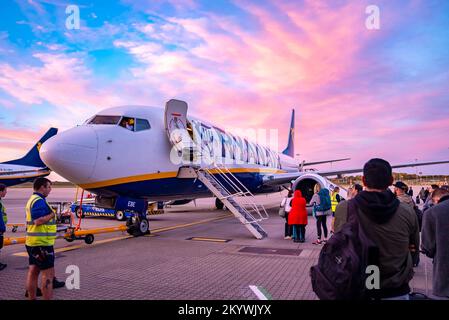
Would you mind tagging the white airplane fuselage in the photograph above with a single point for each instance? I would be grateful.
(110, 160)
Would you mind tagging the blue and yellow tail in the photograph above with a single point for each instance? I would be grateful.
(290, 150)
(32, 158)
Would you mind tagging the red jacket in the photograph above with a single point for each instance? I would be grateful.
(298, 213)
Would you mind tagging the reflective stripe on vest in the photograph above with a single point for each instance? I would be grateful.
(42, 235)
(334, 201)
(3, 213)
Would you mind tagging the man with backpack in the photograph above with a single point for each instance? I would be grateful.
(381, 232)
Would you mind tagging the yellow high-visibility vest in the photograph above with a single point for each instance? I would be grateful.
(3, 212)
(43, 235)
(334, 201)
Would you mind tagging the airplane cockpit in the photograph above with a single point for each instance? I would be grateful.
(127, 122)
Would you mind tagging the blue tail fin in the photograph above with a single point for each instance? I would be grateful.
(290, 150)
(32, 158)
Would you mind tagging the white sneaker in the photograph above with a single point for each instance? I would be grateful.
(287, 238)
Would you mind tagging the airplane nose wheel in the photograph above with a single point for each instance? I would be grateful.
(138, 226)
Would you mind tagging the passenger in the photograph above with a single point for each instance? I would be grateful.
(40, 239)
(286, 203)
(429, 203)
(3, 220)
(321, 201)
(391, 225)
(400, 190)
(341, 211)
(298, 217)
(435, 239)
(410, 192)
(422, 194)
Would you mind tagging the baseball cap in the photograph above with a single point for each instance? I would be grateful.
(400, 185)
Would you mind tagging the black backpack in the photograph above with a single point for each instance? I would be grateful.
(341, 270)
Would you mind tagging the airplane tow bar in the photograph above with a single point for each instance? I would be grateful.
(70, 235)
(88, 235)
(15, 226)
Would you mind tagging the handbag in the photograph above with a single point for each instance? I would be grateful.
(282, 212)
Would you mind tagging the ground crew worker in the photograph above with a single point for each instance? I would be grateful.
(40, 238)
(3, 220)
(335, 199)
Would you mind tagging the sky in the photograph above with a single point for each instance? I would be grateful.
(358, 92)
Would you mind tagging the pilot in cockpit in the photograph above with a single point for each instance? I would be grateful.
(127, 123)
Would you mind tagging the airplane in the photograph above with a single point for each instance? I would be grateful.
(27, 168)
(125, 166)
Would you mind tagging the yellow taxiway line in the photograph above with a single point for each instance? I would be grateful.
(159, 230)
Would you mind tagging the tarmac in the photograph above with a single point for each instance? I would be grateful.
(194, 252)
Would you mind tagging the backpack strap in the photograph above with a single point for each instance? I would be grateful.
(352, 211)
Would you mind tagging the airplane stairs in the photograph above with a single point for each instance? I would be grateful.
(236, 197)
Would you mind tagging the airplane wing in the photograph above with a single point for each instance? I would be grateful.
(284, 178)
(325, 161)
(12, 173)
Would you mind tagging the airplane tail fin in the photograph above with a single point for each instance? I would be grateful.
(32, 158)
(290, 150)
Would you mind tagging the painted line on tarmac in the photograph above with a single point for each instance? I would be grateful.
(209, 239)
(79, 246)
(258, 292)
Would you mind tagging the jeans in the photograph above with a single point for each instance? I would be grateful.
(321, 222)
(299, 232)
(288, 230)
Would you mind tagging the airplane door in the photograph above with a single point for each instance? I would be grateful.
(176, 124)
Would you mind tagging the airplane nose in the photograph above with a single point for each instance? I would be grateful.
(72, 154)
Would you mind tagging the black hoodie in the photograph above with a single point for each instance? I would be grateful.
(378, 206)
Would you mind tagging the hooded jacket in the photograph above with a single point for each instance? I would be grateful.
(435, 239)
(298, 213)
(393, 227)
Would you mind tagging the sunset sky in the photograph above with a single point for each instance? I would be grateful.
(357, 92)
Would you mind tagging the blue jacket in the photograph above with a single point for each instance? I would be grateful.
(40, 208)
(2, 225)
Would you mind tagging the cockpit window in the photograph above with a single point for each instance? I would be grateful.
(142, 124)
(128, 123)
(114, 120)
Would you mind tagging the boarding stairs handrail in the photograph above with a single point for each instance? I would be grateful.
(246, 195)
(239, 211)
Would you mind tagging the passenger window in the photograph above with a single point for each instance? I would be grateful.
(105, 120)
(127, 123)
(142, 124)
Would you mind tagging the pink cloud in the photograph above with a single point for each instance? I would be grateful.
(62, 80)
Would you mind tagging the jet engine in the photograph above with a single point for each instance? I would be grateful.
(306, 183)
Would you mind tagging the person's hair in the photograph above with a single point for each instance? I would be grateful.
(290, 193)
(2, 187)
(39, 182)
(317, 188)
(378, 174)
(358, 187)
(440, 192)
(337, 188)
(434, 186)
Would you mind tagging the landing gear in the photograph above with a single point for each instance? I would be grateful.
(218, 204)
(120, 215)
(138, 225)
